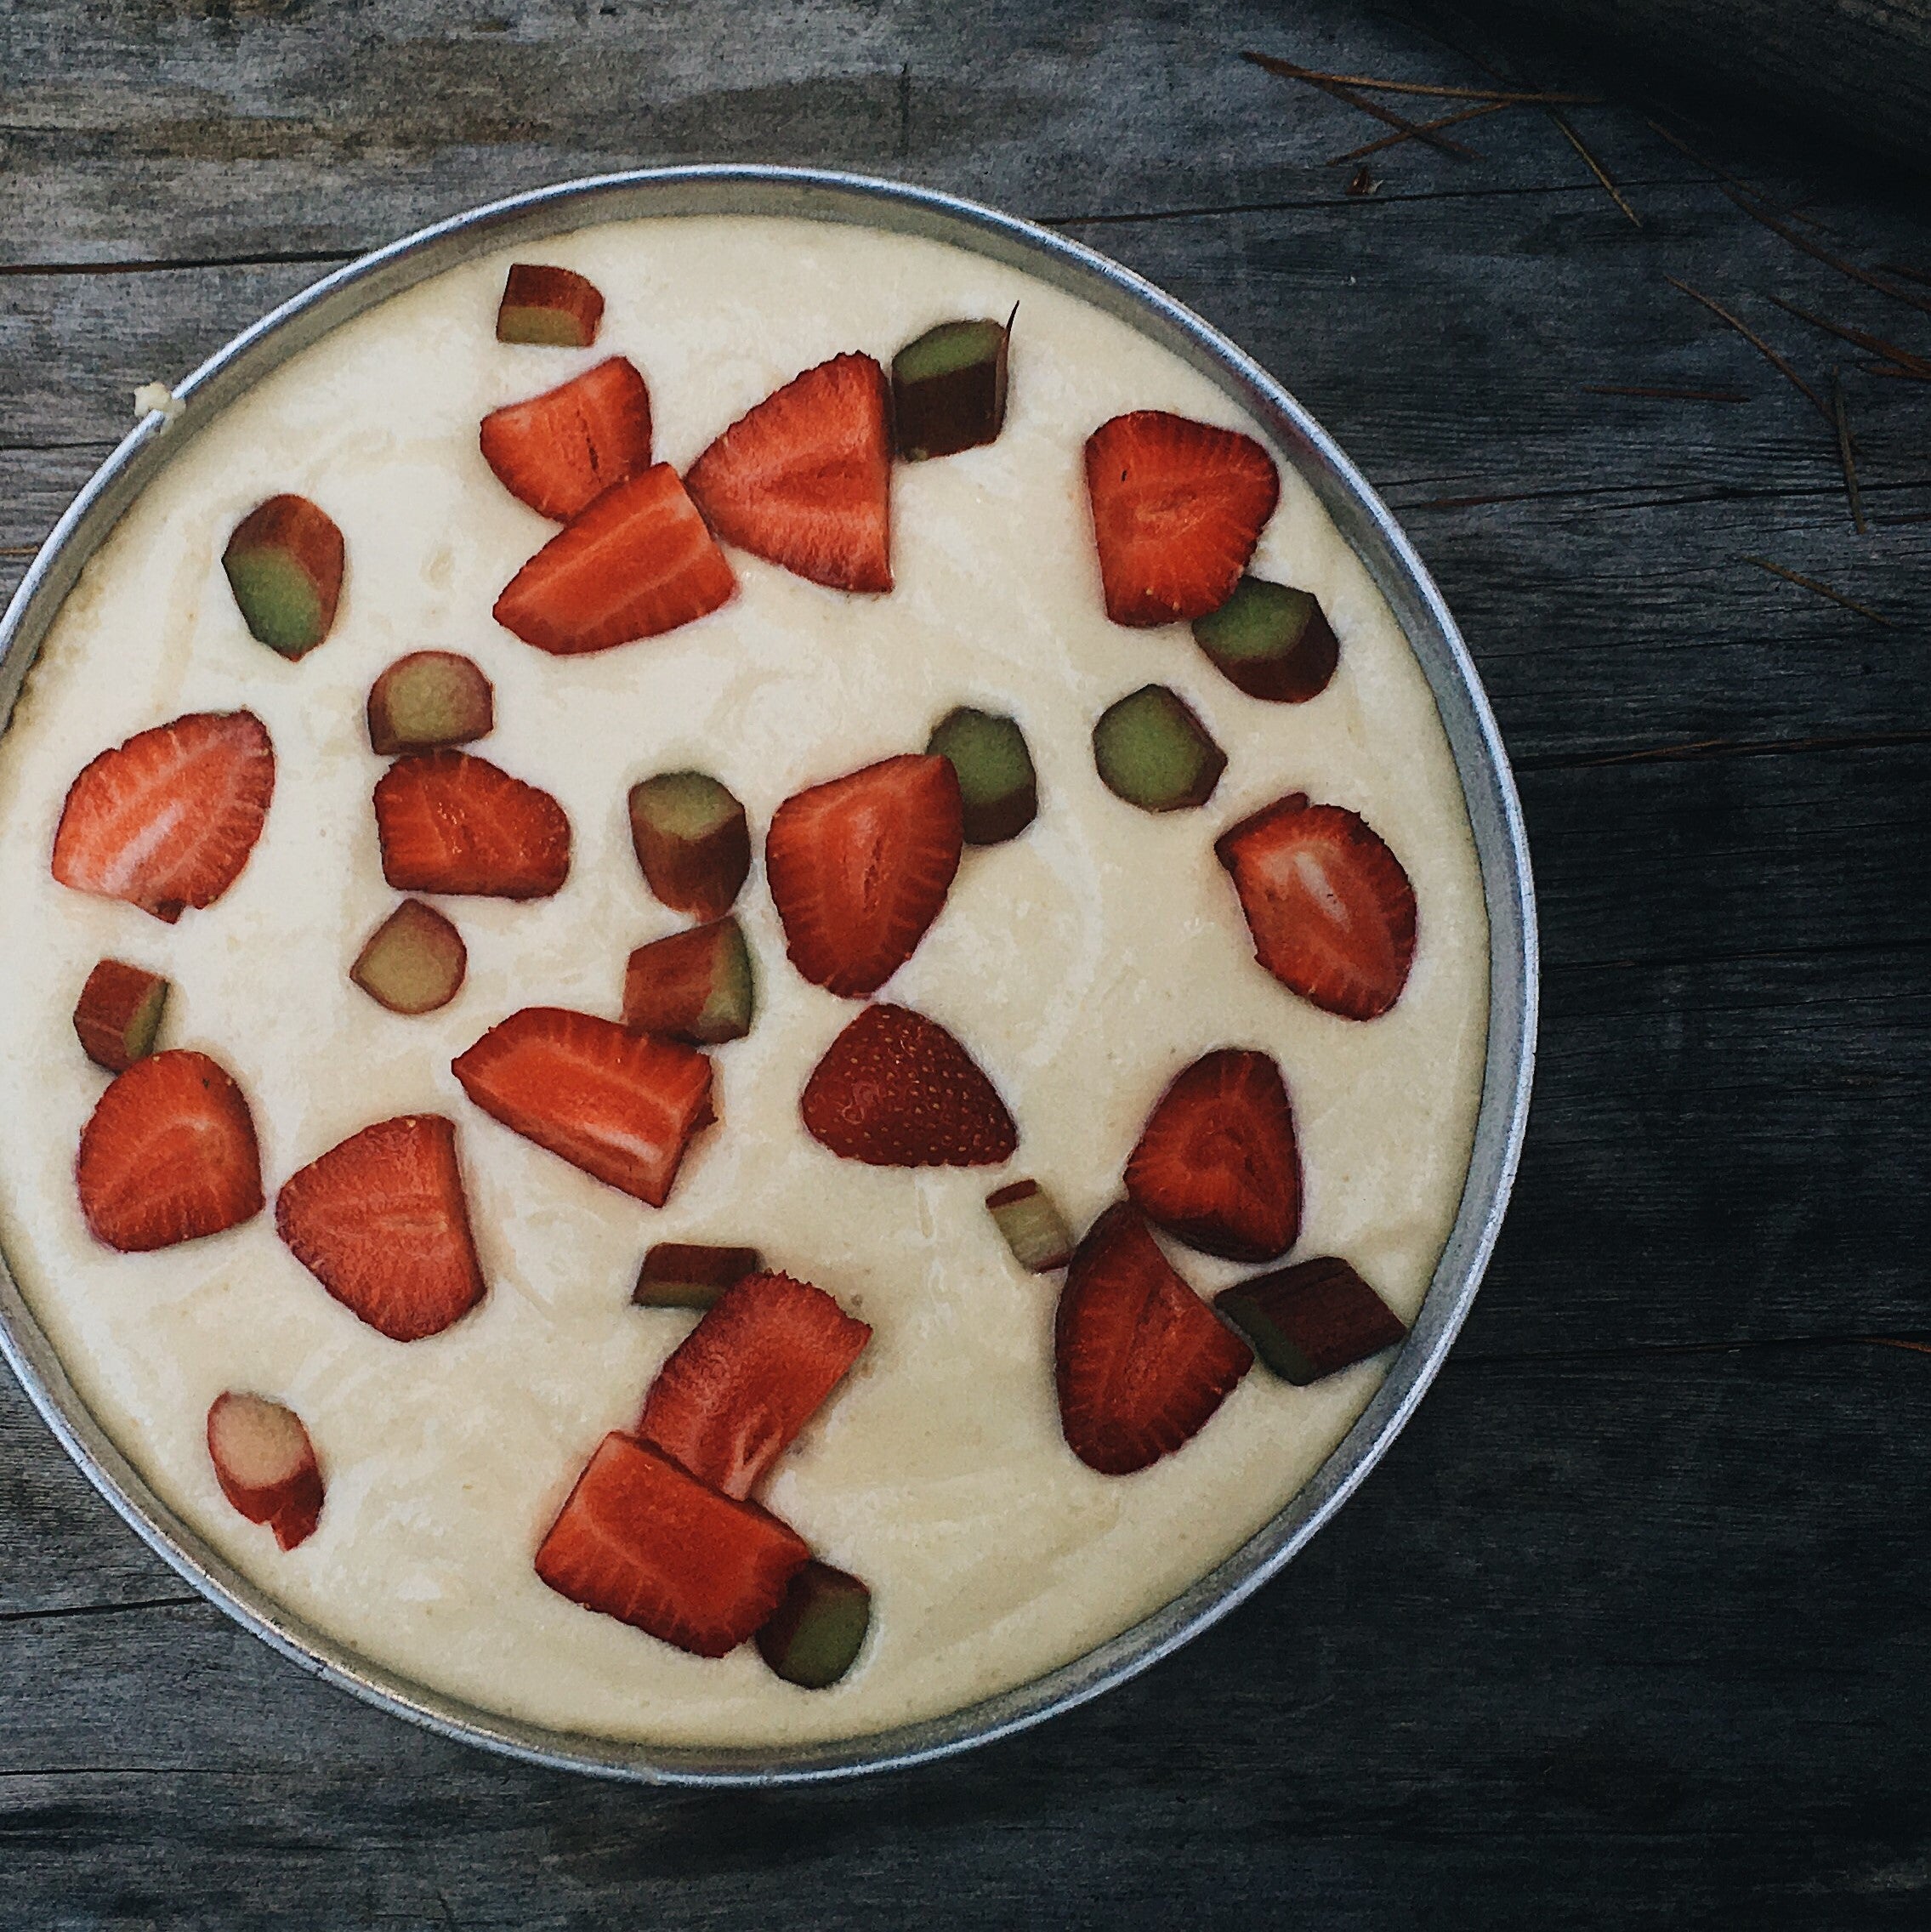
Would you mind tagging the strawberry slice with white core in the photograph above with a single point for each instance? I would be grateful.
(167, 819)
(380, 1220)
(638, 562)
(1178, 506)
(1331, 908)
(859, 868)
(450, 821)
(642, 1540)
(734, 1394)
(559, 452)
(805, 479)
(169, 1155)
(266, 1464)
(621, 1106)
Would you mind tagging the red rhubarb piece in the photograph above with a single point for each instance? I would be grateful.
(284, 566)
(118, 1013)
(559, 452)
(413, 962)
(450, 821)
(693, 985)
(380, 1220)
(265, 1464)
(692, 840)
(167, 819)
(426, 699)
(550, 307)
(1314, 1319)
(678, 1274)
(805, 479)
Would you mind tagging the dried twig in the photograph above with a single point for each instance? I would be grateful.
(1822, 590)
(1805, 245)
(1362, 152)
(1893, 370)
(1704, 161)
(1666, 395)
(1341, 92)
(1596, 168)
(1903, 274)
(1757, 343)
(1848, 458)
(1499, 97)
(1905, 358)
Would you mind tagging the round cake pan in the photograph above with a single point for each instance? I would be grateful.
(1486, 784)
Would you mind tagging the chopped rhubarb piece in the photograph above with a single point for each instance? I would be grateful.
(622, 1106)
(693, 985)
(119, 1013)
(381, 1221)
(733, 1394)
(265, 1464)
(859, 868)
(550, 307)
(169, 1155)
(450, 821)
(428, 699)
(1153, 752)
(637, 563)
(816, 1634)
(1331, 909)
(997, 782)
(414, 961)
(167, 819)
(644, 1541)
(804, 479)
(284, 566)
(1314, 1319)
(896, 1090)
(949, 389)
(692, 840)
(1272, 642)
(1217, 1162)
(1139, 1361)
(1034, 1228)
(679, 1274)
(559, 452)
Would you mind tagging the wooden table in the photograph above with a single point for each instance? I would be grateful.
(1630, 1628)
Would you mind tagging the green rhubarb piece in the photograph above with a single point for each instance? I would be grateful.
(1272, 641)
(430, 698)
(690, 1275)
(118, 1013)
(814, 1635)
(949, 389)
(996, 779)
(692, 840)
(1312, 1320)
(1153, 752)
(284, 566)
(1035, 1228)
(550, 307)
(414, 961)
(695, 986)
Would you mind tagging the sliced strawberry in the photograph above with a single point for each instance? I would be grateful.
(167, 819)
(734, 1394)
(644, 1541)
(860, 867)
(169, 1155)
(1139, 1359)
(639, 561)
(896, 1090)
(450, 821)
(380, 1220)
(265, 1464)
(619, 1106)
(560, 451)
(1330, 907)
(805, 479)
(1178, 508)
(1217, 1164)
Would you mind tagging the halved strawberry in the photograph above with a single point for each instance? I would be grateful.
(896, 1090)
(167, 819)
(450, 821)
(169, 1155)
(1331, 909)
(1178, 506)
(1217, 1164)
(642, 1540)
(805, 479)
(1139, 1359)
(860, 867)
(560, 451)
(639, 561)
(380, 1220)
(733, 1394)
(265, 1464)
(622, 1106)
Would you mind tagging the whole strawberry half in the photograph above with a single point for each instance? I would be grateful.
(169, 1155)
(1331, 909)
(559, 452)
(805, 479)
(380, 1220)
(636, 563)
(621, 1106)
(1217, 1164)
(733, 1394)
(860, 867)
(642, 1540)
(450, 821)
(167, 819)
(1178, 506)
(1140, 1361)
(896, 1090)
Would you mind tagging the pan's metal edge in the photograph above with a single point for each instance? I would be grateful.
(1496, 818)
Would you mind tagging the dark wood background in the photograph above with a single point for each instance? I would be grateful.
(1631, 1627)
